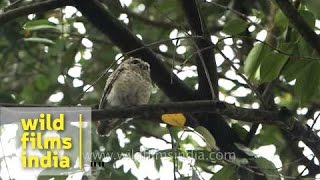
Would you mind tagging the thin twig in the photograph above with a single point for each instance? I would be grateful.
(315, 121)
(32, 8)
(241, 75)
(174, 153)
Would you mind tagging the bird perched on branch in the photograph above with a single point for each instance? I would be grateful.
(129, 85)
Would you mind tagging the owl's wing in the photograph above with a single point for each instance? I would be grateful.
(112, 78)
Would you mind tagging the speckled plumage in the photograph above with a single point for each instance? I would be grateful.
(129, 85)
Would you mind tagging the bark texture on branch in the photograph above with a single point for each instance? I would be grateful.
(201, 106)
(300, 24)
(281, 118)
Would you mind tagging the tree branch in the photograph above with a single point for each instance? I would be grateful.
(200, 106)
(302, 132)
(280, 118)
(121, 36)
(208, 78)
(147, 21)
(152, 112)
(300, 24)
(32, 8)
(206, 65)
(301, 158)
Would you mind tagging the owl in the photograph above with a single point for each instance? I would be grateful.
(129, 85)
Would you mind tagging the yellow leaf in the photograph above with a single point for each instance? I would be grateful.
(174, 119)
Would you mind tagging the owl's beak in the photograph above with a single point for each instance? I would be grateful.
(145, 66)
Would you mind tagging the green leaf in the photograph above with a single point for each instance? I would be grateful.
(41, 82)
(313, 6)
(5, 97)
(209, 139)
(268, 168)
(27, 92)
(304, 49)
(244, 149)
(44, 175)
(56, 177)
(68, 56)
(271, 66)
(269, 135)
(294, 68)
(157, 162)
(281, 21)
(39, 25)
(228, 172)
(120, 175)
(308, 17)
(307, 84)
(235, 26)
(296, 64)
(241, 132)
(253, 60)
(39, 40)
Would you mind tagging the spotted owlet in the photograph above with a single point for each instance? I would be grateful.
(129, 85)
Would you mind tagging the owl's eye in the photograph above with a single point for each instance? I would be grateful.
(135, 62)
